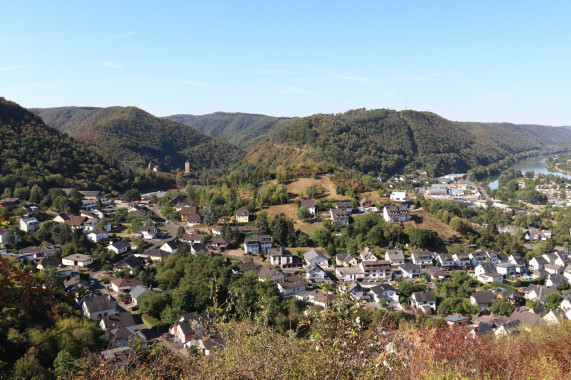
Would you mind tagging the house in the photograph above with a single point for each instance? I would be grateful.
(537, 263)
(77, 260)
(170, 246)
(198, 247)
(153, 254)
(247, 267)
(540, 293)
(242, 215)
(376, 270)
(395, 256)
(395, 214)
(192, 237)
(478, 257)
(511, 295)
(519, 262)
(76, 221)
(252, 246)
(555, 280)
(219, 244)
(50, 261)
(554, 269)
(349, 273)
(399, 196)
(461, 260)
(40, 252)
(124, 284)
(345, 259)
(314, 272)
(385, 292)
(482, 299)
(421, 258)
(490, 277)
(119, 247)
(9, 202)
(193, 219)
(317, 297)
(4, 237)
(425, 301)
(445, 260)
(366, 203)
(137, 293)
(492, 257)
(315, 257)
(347, 206)
(355, 289)
(484, 268)
(29, 224)
(409, 270)
(339, 216)
(291, 285)
(188, 214)
(99, 306)
(525, 316)
(436, 273)
(97, 236)
(310, 204)
(507, 269)
(147, 232)
(266, 273)
(265, 242)
(116, 321)
(280, 256)
(368, 255)
(131, 262)
(137, 214)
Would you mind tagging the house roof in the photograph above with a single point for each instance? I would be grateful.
(307, 203)
(50, 261)
(313, 254)
(147, 229)
(78, 257)
(522, 315)
(382, 288)
(270, 273)
(131, 261)
(395, 254)
(344, 256)
(483, 297)
(137, 214)
(115, 321)
(193, 217)
(424, 296)
(153, 252)
(291, 282)
(408, 266)
(245, 267)
(122, 282)
(99, 303)
(313, 267)
(121, 244)
(279, 252)
(242, 212)
(76, 220)
(540, 260)
(137, 291)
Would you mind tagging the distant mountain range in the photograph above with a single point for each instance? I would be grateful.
(136, 137)
(34, 153)
(371, 141)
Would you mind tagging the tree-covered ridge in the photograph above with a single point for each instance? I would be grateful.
(136, 137)
(33, 153)
(386, 141)
(238, 128)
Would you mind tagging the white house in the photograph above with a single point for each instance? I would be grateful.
(349, 273)
(445, 260)
(507, 269)
(252, 246)
(97, 236)
(310, 204)
(170, 246)
(537, 263)
(291, 285)
(384, 292)
(409, 270)
(368, 255)
(461, 259)
(315, 272)
(280, 256)
(478, 257)
(339, 216)
(315, 257)
(125, 284)
(119, 247)
(147, 232)
(29, 224)
(398, 213)
(395, 256)
(77, 260)
(376, 270)
(99, 307)
(425, 301)
(399, 196)
(421, 258)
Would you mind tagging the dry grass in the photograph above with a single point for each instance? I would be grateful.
(298, 185)
(423, 219)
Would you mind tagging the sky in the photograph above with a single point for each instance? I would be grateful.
(504, 61)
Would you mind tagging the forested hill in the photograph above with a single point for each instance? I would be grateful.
(34, 153)
(386, 141)
(238, 128)
(137, 138)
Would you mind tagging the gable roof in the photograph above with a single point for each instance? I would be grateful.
(291, 282)
(137, 291)
(121, 282)
(99, 303)
(424, 296)
(483, 297)
(115, 321)
(121, 244)
(309, 203)
(313, 254)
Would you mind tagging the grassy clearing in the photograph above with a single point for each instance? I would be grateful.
(300, 184)
(309, 228)
(423, 219)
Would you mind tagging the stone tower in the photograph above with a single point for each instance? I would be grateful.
(187, 166)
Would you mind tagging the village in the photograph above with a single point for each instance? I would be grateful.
(488, 291)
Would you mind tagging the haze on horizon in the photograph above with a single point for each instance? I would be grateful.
(484, 61)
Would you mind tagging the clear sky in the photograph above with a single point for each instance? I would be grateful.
(465, 60)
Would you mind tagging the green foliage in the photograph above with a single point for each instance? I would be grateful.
(553, 300)
(460, 285)
(501, 307)
(423, 237)
(135, 137)
(303, 213)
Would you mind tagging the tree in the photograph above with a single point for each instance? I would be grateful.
(501, 307)
(29, 367)
(180, 231)
(153, 303)
(36, 194)
(422, 237)
(564, 285)
(303, 213)
(132, 195)
(64, 364)
(154, 199)
(553, 300)
(209, 215)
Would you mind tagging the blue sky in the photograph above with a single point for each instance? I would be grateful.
(465, 60)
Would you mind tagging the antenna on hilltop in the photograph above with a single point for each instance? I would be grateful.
(406, 104)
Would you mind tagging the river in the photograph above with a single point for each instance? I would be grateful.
(535, 164)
